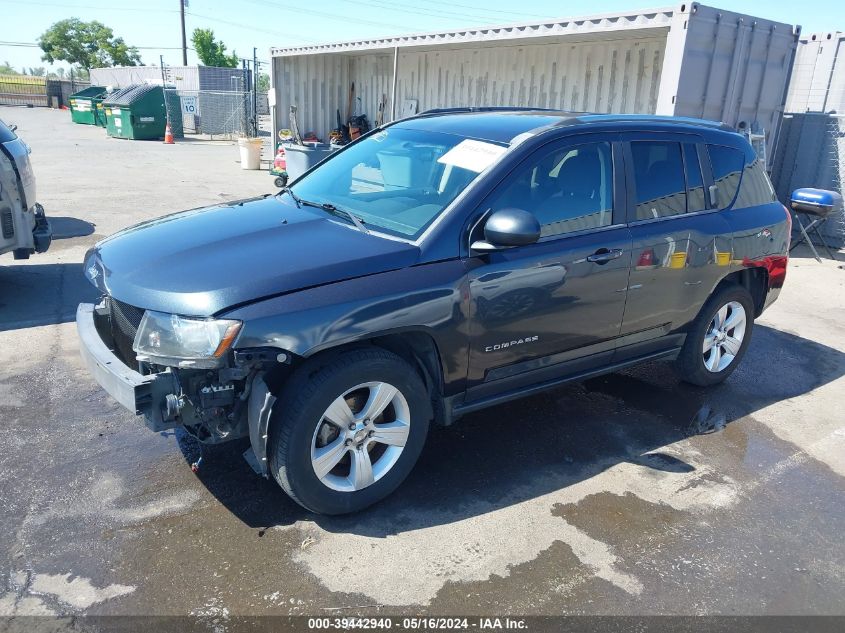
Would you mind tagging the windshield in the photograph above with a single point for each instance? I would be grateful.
(398, 181)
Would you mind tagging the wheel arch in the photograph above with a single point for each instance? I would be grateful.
(416, 346)
(754, 279)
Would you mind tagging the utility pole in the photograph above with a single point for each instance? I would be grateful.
(184, 39)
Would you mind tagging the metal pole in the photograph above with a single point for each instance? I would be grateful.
(393, 89)
(164, 89)
(244, 96)
(255, 92)
(184, 39)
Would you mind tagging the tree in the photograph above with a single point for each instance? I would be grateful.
(7, 69)
(263, 82)
(89, 44)
(211, 52)
(38, 71)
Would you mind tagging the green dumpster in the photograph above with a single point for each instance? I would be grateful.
(83, 105)
(136, 112)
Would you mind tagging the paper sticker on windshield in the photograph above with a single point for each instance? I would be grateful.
(472, 155)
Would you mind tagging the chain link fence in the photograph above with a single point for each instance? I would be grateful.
(212, 113)
(811, 153)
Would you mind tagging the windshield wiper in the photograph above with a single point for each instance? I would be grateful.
(290, 192)
(337, 211)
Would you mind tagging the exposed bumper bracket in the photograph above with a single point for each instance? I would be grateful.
(143, 395)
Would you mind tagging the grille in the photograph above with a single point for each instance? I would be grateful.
(8, 224)
(125, 320)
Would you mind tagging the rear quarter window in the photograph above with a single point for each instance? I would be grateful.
(727, 164)
(755, 188)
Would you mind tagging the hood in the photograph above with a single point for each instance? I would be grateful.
(199, 262)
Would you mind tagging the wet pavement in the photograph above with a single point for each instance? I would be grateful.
(627, 494)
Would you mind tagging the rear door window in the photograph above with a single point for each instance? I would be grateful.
(727, 164)
(659, 178)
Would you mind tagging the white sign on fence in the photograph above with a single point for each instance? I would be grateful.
(189, 105)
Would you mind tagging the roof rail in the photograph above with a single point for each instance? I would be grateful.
(653, 118)
(436, 111)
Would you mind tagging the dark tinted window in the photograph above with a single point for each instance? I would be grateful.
(755, 187)
(695, 182)
(568, 189)
(727, 164)
(659, 176)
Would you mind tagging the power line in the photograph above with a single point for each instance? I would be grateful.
(434, 13)
(250, 27)
(329, 16)
(56, 5)
(486, 10)
(149, 48)
(438, 13)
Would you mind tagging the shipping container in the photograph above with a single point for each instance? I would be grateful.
(689, 60)
(811, 150)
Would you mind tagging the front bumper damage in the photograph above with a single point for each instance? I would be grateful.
(160, 396)
(35, 222)
(42, 233)
(142, 394)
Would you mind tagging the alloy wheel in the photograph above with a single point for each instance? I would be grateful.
(360, 436)
(724, 337)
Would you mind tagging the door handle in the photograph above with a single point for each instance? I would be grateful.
(604, 255)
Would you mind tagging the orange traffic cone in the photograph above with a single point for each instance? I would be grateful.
(168, 135)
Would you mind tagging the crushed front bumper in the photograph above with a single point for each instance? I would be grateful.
(42, 234)
(142, 394)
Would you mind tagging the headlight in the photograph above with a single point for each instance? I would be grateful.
(170, 336)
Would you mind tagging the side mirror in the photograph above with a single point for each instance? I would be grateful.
(507, 228)
(818, 202)
(13, 127)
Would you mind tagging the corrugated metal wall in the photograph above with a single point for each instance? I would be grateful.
(222, 79)
(317, 85)
(818, 78)
(619, 75)
(691, 61)
(735, 69)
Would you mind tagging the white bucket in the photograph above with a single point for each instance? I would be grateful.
(250, 152)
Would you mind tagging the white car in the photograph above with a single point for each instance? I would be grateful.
(24, 228)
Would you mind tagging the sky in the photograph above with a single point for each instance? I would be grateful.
(153, 25)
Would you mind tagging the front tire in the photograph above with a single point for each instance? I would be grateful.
(346, 434)
(718, 338)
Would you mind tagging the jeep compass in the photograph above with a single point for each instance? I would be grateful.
(438, 265)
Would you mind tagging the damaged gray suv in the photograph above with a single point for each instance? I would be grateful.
(24, 228)
(436, 266)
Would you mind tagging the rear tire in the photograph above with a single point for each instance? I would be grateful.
(718, 338)
(345, 435)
